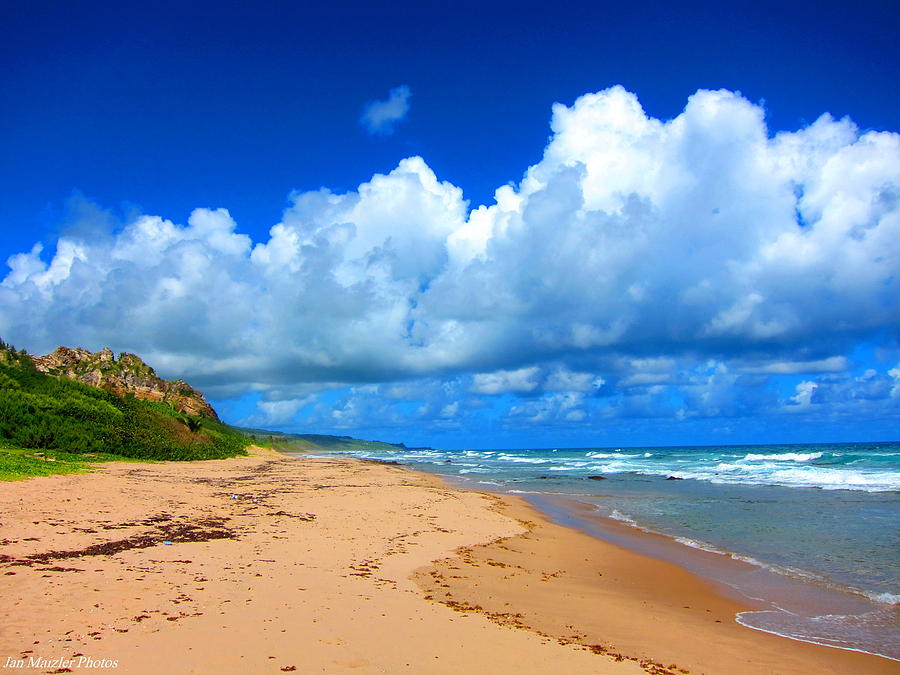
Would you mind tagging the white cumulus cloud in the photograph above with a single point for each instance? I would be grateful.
(635, 251)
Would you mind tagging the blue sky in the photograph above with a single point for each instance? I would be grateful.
(468, 224)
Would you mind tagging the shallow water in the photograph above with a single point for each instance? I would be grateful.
(823, 515)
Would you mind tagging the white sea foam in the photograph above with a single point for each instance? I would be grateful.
(884, 598)
(612, 467)
(772, 473)
(524, 460)
(623, 518)
(830, 630)
(613, 455)
(703, 546)
(790, 469)
(570, 466)
(838, 479)
(729, 466)
(787, 571)
(783, 457)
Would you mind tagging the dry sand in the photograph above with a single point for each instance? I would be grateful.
(325, 565)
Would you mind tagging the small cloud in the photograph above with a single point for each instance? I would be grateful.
(380, 117)
(505, 381)
(562, 407)
(566, 380)
(803, 397)
(833, 364)
(895, 375)
(450, 410)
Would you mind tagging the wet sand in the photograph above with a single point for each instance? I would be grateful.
(269, 564)
(582, 590)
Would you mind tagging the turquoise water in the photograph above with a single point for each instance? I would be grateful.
(823, 515)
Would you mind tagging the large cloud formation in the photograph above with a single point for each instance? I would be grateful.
(638, 254)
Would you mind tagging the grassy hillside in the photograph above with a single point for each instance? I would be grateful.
(65, 420)
(314, 442)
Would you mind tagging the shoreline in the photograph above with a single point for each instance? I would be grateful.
(843, 599)
(280, 563)
(763, 587)
(702, 636)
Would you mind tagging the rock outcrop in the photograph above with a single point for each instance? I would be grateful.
(127, 375)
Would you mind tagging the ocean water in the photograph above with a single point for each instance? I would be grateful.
(819, 524)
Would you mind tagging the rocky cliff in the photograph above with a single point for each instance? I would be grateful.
(127, 375)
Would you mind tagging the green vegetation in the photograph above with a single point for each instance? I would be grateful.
(16, 463)
(46, 418)
(314, 442)
(19, 463)
(192, 423)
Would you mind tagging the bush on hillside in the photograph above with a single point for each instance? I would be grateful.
(45, 412)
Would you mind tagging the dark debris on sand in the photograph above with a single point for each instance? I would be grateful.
(164, 530)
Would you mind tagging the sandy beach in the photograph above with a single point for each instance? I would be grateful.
(269, 564)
